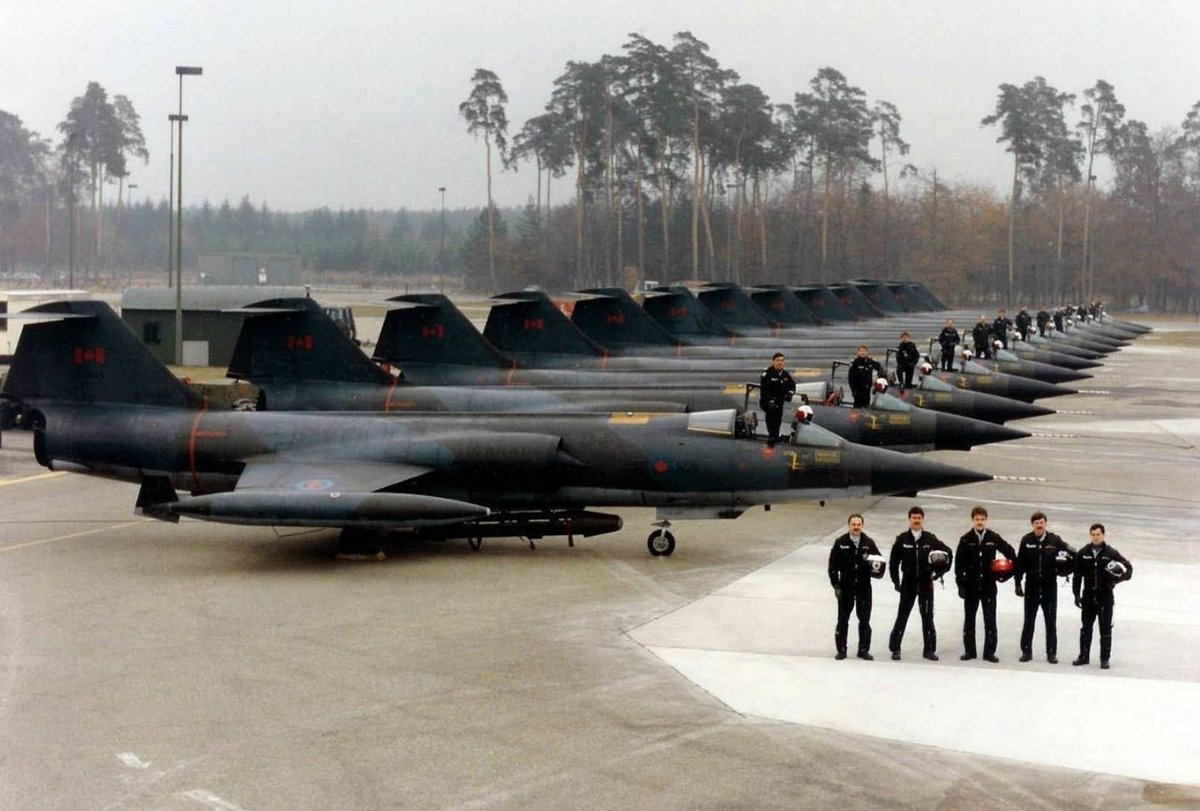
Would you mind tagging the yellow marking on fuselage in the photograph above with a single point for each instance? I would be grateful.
(81, 534)
(629, 418)
(51, 475)
(795, 463)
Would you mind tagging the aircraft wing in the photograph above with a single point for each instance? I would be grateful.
(278, 491)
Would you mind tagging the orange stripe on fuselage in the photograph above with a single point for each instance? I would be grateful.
(192, 436)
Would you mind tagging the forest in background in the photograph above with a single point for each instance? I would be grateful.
(658, 163)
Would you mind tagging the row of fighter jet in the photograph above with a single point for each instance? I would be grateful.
(536, 419)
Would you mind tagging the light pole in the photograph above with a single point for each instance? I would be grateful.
(442, 246)
(171, 205)
(180, 71)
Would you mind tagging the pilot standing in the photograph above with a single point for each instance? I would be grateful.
(1098, 569)
(948, 338)
(917, 557)
(853, 561)
(976, 580)
(1043, 318)
(907, 357)
(981, 336)
(1037, 565)
(1001, 326)
(775, 387)
(1024, 322)
(861, 376)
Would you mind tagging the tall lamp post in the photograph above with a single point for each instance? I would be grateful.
(180, 71)
(442, 246)
(171, 206)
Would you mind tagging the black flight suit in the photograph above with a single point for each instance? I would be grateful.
(913, 578)
(1043, 318)
(907, 356)
(1096, 598)
(1058, 320)
(860, 378)
(977, 584)
(948, 338)
(981, 335)
(850, 576)
(1035, 565)
(1000, 328)
(1024, 322)
(774, 389)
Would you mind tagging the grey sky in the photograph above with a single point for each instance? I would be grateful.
(314, 102)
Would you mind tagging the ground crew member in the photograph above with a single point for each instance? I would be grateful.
(861, 376)
(1043, 318)
(907, 357)
(1098, 568)
(1001, 326)
(981, 336)
(948, 338)
(913, 571)
(853, 561)
(775, 387)
(976, 581)
(1024, 322)
(1036, 563)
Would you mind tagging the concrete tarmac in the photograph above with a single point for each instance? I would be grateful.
(146, 665)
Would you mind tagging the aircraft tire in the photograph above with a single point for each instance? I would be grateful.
(661, 543)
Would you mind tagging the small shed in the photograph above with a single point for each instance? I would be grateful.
(250, 268)
(210, 331)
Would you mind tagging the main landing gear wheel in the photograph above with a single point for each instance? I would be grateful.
(661, 542)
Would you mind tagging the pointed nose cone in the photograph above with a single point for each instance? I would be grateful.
(1044, 371)
(958, 433)
(897, 474)
(1028, 389)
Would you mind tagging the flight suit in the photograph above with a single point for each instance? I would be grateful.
(1096, 597)
(912, 576)
(775, 387)
(850, 576)
(1000, 328)
(860, 378)
(981, 336)
(1043, 318)
(1024, 322)
(977, 584)
(1035, 565)
(948, 338)
(907, 356)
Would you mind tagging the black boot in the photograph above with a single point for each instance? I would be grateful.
(841, 654)
(1082, 660)
(862, 654)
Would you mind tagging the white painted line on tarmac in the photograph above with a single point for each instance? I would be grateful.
(82, 534)
(211, 800)
(1055, 436)
(1093, 391)
(51, 475)
(1027, 479)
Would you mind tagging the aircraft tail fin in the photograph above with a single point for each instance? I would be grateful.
(613, 319)
(680, 313)
(528, 322)
(783, 306)
(428, 328)
(85, 353)
(293, 339)
(733, 306)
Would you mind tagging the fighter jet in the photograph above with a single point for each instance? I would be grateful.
(301, 361)
(101, 404)
(435, 344)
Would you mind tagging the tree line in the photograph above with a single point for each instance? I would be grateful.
(676, 169)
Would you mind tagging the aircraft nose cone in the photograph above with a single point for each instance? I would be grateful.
(1028, 389)
(958, 433)
(1049, 373)
(895, 474)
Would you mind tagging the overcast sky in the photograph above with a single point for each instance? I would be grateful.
(305, 103)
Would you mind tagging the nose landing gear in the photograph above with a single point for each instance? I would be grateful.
(661, 542)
